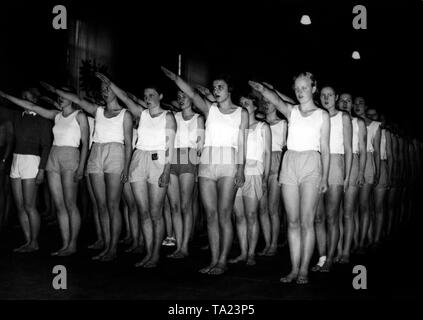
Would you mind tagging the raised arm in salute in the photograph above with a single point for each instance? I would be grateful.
(221, 169)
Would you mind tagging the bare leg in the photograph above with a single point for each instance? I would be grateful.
(320, 225)
(99, 243)
(274, 203)
(186, 183)
(208, 191)
(265, 222)
(173, 193)
(350, 205)
(132, 217)
(29, 189)
(114, 194)
(241, 228)
(99, 189)
(22, 214)
(380, 194)
(291, 199)
(364, 213)
(70, 188)
(252, 227)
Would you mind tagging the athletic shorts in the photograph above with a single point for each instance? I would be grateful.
(336, 169)
(252, 188)
(383, 180)
(24, 166)
(369, 171)
(184, 161)
(276, 162)
(355, 165)
(216, 164)
(63, 159)
(301, 167)
(146, 165)
(106, 158)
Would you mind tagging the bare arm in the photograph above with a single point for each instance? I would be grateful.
(84, 104)
(127, 137)
(347, 132)
(282, 96)
(324, 150)
(267, 135)
(389, 156)
(202, 104)
(200, 134)
(133, 107)
(270, 95)
(242, 148)
(27, 105)
(85, 132)
(170, 147)
(376, 153)
(362, 147)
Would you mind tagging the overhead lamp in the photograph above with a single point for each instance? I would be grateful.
(305, 20)
(356, 55)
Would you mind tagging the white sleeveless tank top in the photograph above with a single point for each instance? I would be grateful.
(278, 136)
(222, 129)
(152, 132)
(336, 140)
(304, 132)
(66, 130)
(255, 143)
(371, 132)
(187, 131)
(355, 148)
(383, 145)
(108, 130)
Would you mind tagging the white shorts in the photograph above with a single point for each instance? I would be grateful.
(24, 166)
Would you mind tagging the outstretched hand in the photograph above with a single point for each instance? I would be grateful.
(169, 74)
(48, 87)
(103, 78)
(256, 86)
(203, 90)
(2, 94)
(268, 85)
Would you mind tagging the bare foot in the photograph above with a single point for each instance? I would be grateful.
(327, 266)
(338, 258)
(99, 256)
(56, 253)
(152, 263)
(96, 245)
(289, 278)
(19, 249)
(176, 255)
(143, 261)
(302, 279)
(240, 258)
(218, 269)
(208, 268)
(264, 251)
(109, 256)
(30, 248)
(345, 259)
(251, 261)
(271, 252)
(67, 252)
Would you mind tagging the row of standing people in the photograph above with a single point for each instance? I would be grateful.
(236, 161)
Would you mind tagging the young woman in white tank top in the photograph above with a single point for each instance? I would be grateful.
(371, 171)
(350, 221)
(112, 140)
(150, 165)
(380, 190)
(304, 171)
(65, 166)
(270, 203)
(257, 169)
(189, 142)
(328, 211)
(226, 126)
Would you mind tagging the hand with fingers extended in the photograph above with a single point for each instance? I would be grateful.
(203, 90)
(2, 94)
(256, 86)
(268, 85)
(79, 174)
(164, 179)
(169, 74)
(103, 78)
(48, 87)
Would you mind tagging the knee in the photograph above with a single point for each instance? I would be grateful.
(294, 224)
(28, 206)
(144, 216)
(70, 205)
(102, 208)
(251, 218)
(113, 206)
(186, 206)
(211, 215)
(175, 208)
(319, 219)
(156, 215)
(307, 224)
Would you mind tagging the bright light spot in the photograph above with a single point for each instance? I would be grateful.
(305, 19)
(356, 55)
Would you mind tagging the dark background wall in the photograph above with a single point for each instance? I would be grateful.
(259, 40)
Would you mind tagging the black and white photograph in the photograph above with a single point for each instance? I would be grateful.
(211, 158)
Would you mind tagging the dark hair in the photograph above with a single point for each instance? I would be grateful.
(329, 86)
(155, 87)
(227, 78)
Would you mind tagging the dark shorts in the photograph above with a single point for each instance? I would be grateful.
(184, 161)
